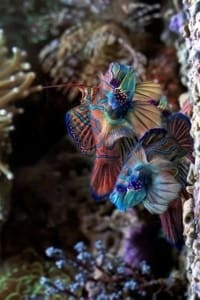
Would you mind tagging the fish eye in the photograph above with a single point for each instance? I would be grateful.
(115, 82)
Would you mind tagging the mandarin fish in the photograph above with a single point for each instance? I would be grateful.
(127, 105)
(84, 127)
(108, 121)
(173, 143)
(150, 183)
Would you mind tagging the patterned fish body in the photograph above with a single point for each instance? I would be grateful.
(108, 159)
(106, 121)
(175, 144)
(151, 183)
(84, 127)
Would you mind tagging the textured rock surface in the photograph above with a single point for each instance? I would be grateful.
(192, 206)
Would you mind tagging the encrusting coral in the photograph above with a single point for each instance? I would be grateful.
(191, 207)
(15, 83)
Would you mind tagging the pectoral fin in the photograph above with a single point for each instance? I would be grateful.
(79, 128)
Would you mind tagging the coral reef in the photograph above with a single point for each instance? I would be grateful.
(20, 276)
(104, 276)
(16, 81)
(69, 61)
(143, 242)
(45, 199)
(108, 225)
(29, 276)
(37, 22)
(34, 19)
(54, 187)
(90, 46)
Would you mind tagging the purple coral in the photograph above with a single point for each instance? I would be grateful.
(144, 244)
(176, 23)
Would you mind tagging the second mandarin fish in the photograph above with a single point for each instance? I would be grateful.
(151, 183)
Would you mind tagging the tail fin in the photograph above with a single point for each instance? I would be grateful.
(104, 176)
(172, 223)
(179, 128)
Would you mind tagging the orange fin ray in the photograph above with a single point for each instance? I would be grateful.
(104, 175)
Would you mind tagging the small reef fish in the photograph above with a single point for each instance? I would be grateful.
(173, 145)
(109, 119)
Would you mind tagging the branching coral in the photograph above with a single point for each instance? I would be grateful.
(15, 83)
(87, 275)
(15, 75)
(103, 276)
